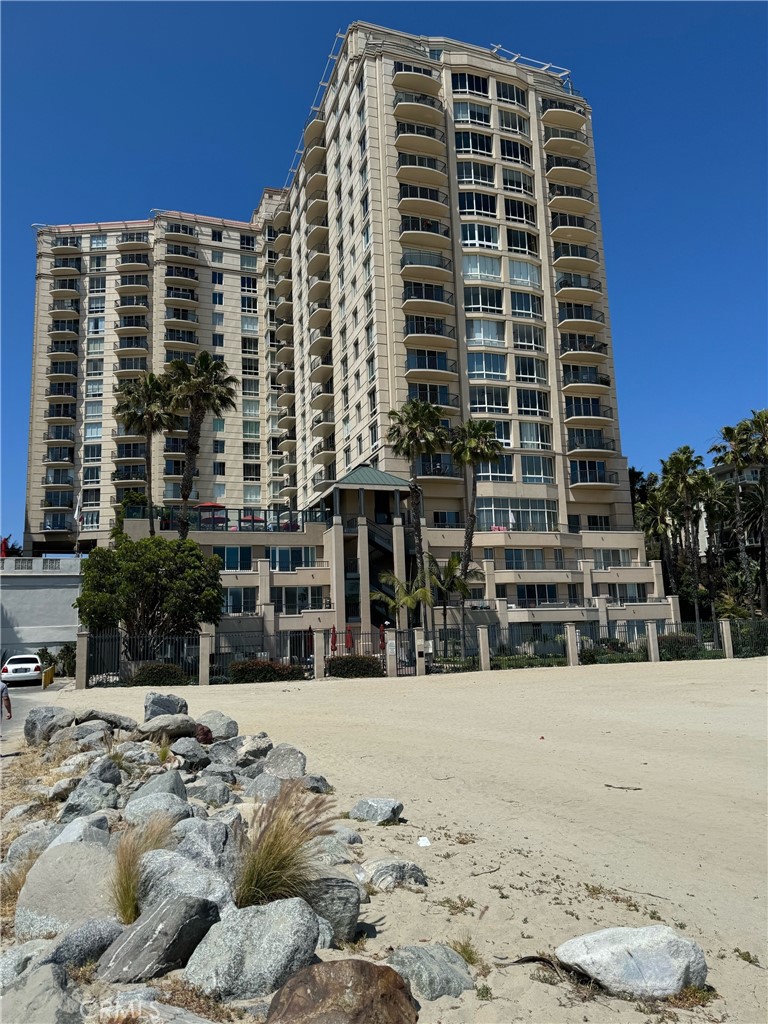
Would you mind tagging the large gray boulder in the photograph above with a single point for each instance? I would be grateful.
(119, 723)
(137, 753)
(254, 951)
(379, 810)
(16, 959)
(82, 943)
(164, 782)
(158, 704)
(34, 841)
(41, 997)
(241, 751)
(41, 723)
(61, 791)
(78, 763)
(285, 762)
(93, 828)
(222, 773)
(65, 886)
(91, 795)
(317, 784)
(222, 726)
(386, 874)
(171, 726)
(161, 940)
(213, 844)
(264, 788)
(251, 771)
(105, 770)
(211, 792)
(96, 731)
(167, 873)
(347, 835)
(433, 971)
(330, 850)
(195, 756)
(337, 899)
(647, 963)
(138, 812)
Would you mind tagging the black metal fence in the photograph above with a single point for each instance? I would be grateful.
(115, 658)
(612, 643)
(527, 645)
(454, 650)
(689, 641)
(750, 638)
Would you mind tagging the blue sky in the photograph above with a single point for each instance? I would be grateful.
(93, 95)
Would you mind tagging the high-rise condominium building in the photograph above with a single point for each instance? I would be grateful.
(440, 240)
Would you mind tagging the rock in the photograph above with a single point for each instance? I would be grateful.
(386, 874)
(34, 841)
(83, 942)
(62, 789)
(194, 755)
(137, 753)
(161, 940)
(255, 950)
(159, 704)
(76, 733)
(167, 873)
(285, 762)
(379, 810)
(165, 782)
(344, 992)
(213, 844)
(163, 1013)
(41, 997)
(337, 899)
(347, 835)
(252, 771)
(20, 811)
(325, 936)
(330, 850)
(241, 751)
(91, 795)
(316, 784)
(82, 830)
(215, 794)
(120, 723)
(203, 734)
(65, 886)
(105, 770)
(221, 772)
(41, 723)
(141, 810)
(433, 971)
(171, 726)
(15, 960)
(141, 994)
(646, 963)
(264, 788)
(222, 726)
(78, 762)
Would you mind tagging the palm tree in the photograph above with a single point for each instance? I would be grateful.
(416, 430)
(755, 501)
(144, 405)
(473, 443)
(655, 519)
(684, 482)
(732, 450)
(447, 580)
(203, 387)
(407, 594)
(757, 455)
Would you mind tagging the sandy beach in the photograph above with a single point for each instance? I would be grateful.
(556, 802)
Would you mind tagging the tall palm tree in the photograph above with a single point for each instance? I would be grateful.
(407, 594)
(416, 430)
(757, 453)
(472, 443)
(754, 503)
(732, 450)
(205, 386)
(447, 580)
(655, 519)
(684, 481)
(144, 405)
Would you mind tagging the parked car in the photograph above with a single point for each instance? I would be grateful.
(22, 669)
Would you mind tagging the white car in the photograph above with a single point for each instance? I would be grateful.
(22, 669)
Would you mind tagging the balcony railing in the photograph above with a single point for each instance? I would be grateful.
(425, 259)
(181, 229)
(65, 306)
(570, 312)
(421, 130)
(585, 344)
(430, 163)
(432, 465)
(572, 220)
(565, 133)
(184, 272)
(433, 361)
(134, 257)
(423, 192)
(594, 476)
(577, 281)
(417, 97)
(181, 293)
(570, 191)
(412, 69)
(433, 227)
(135, 236)
(181, 250)
(423, 325)
(436, 396)
(428, 293)
(572, 162)
(597, 444)
(586, 375)
(582, 252)
(547, 104)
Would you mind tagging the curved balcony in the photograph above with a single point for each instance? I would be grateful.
(565, 142)
(570, 199)
(415, 78)
(62, 348)
(59, 502)
(314, 131)
(567, 170)
(286, 417)
(60, 436)
(66, 245)
(321, 396)
(133, 240)
(316, 182)
(592, 479)
(437, 467)
(62, 330)
(184, 254)
(317, 204)
(64, 309)
(324, 452)
(429, 332)
(124, 458)
(427, 266)
(284, 331)
(418, 106)
(288, 443)
(184, 233)
(64, 289)
(585, 443)
(569, 227)
(129, 367)
(580, 414)
(578, 317)
(577, 287)
(320, 341)
(285, 374)
(289, 488)
(318, 260)
(282, 218)
(426, 298)
(62, 371)
(321, 369)
(186, 298)
(121, 475)
(284, 307)
(133, 284)
(414, 168)
(563, 114)
(283, 263)
(285, 354)
(436, 395)
(54, 458)
(128, 304)
(121, 435)
(282, 241)
(287, 396)
(586, 350)
(323, 423)
(319, 287)
(133, 262)
(284, 285)
(422, 199)
(57, 524)
(430, 366)
(60, 413)
(319, 315)
(582, 258)
(131, 325)
(419, 138)
(585, 380)
(323, 478)
(67, 266)
(132, 345)
(314, 156)
(62, 391)
(186, 340)
(317, 233)
(289, 463)
(418, 232)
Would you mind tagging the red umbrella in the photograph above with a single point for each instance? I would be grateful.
(382, 644)
(348, 639)
(209, 504)
(333, 639)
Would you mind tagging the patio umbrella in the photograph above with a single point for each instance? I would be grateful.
(209, 504)
(382, 644)
(348, 639)
(333, 639)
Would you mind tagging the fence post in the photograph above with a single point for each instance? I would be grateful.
(602, 610)
(652, 636)
(390, 638)
(81, 663)
(418, 643)
(484, 648)
(726, 636)
(674, 607)
(571, 644)
(204, 664)
(318, 653)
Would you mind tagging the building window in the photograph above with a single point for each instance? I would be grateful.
(239, 601)
(484, 300)
(471, 113)
(248, 262)
(92, 453)
(216, 236)
(537, 469)
(248, 303)
(536, 435)
(477, 203)
(474, 142)
(248, 242)
(249, 324)
(485, 332)
(506, 92)
(97, 284)
(528, 336)
(518, 210)
(467, 83)
(235, 558)
(516, 152)
(501, 470)
(479, 236)
(219, 469)
(517, 181)
(521, 272)
(532, 403)
(92, 432)
(512, 514)
(217, 319)
(98, 263)
(523, 242)
(524, 304)
(509, 121)
(98, 242)
(489, 399)
(484, 268)
(93, 410)
(529, 370)
(96, 324)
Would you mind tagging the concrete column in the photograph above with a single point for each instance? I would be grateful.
(602, 610)
(502, 610)
(365, 575)
(398, 557)
(418, 643)
(674, 608)
(484, 648)
(726, 636)
(206, 650)
(335, 539)
(318, 655)
(391, 653)
(571, 644)
(652, 639)
(81, 665)
(658, 578)
(489, 572)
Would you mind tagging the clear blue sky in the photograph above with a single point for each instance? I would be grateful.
(97, 98)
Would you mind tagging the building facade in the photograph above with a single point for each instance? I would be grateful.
(441, 240)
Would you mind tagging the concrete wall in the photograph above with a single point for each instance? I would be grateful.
(36, 608)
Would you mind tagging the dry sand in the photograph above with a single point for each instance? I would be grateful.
(648, 781)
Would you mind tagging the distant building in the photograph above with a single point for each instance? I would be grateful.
(37, 597)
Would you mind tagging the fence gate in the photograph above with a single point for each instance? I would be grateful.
(103, 659)
(405, 650)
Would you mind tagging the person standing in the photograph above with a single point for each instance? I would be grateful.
(5, 700)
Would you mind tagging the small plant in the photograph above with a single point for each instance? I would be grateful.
(457, 906)
(164, 748)
(691, 996)
(747, 957)
(252, 670)
(13, 882)
(654, 915)
(465, 946)
(484, 993)
(45, 657)
(125, 880)
(370, 889)
(158, 674)
(354, 666)
(356, 945)
(278, 865)
(84, 974)
(546, 977)
(176, 992)
(219, 680)
(66, 659)
(681, 925)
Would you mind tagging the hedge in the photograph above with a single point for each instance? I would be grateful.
(354, 666)
(251, 670)
(157, 674)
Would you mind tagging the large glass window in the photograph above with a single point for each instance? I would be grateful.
(479, 203)
(536, 435)
(513, 514)
(518, 210)
(588, 471)
(528, 336)
(290, 559)
(517, 181)
(506, 92)
(486, 300)
(609, 558)
(529, 370)
(293, 600)
(523, 558)
(521, 272)
(464, 82)
(532, 595)
(525, 304)
(515, 152)
(480, 236)
(502, 470)
(537, 469)
(532, 403)
(522, 241)
(235, 558)
(470, 172)
(471, 113)
(239, 601)
(475, 142)
(484, 268)
(503, 432)
(485, 332)
(509, 121)
(486, 366)
(489, 399)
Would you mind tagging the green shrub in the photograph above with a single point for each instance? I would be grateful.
(67, 658)
(354, 666)
(219, 680)
(254, 671)
(527, 661)
(158, 674)
(45, 657)
(678, 647)
(587, 656)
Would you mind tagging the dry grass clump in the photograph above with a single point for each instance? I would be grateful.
(84, 974)
(154, 834)
(163, 748)
(277, 865)
(176, 992)
(13, 883)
